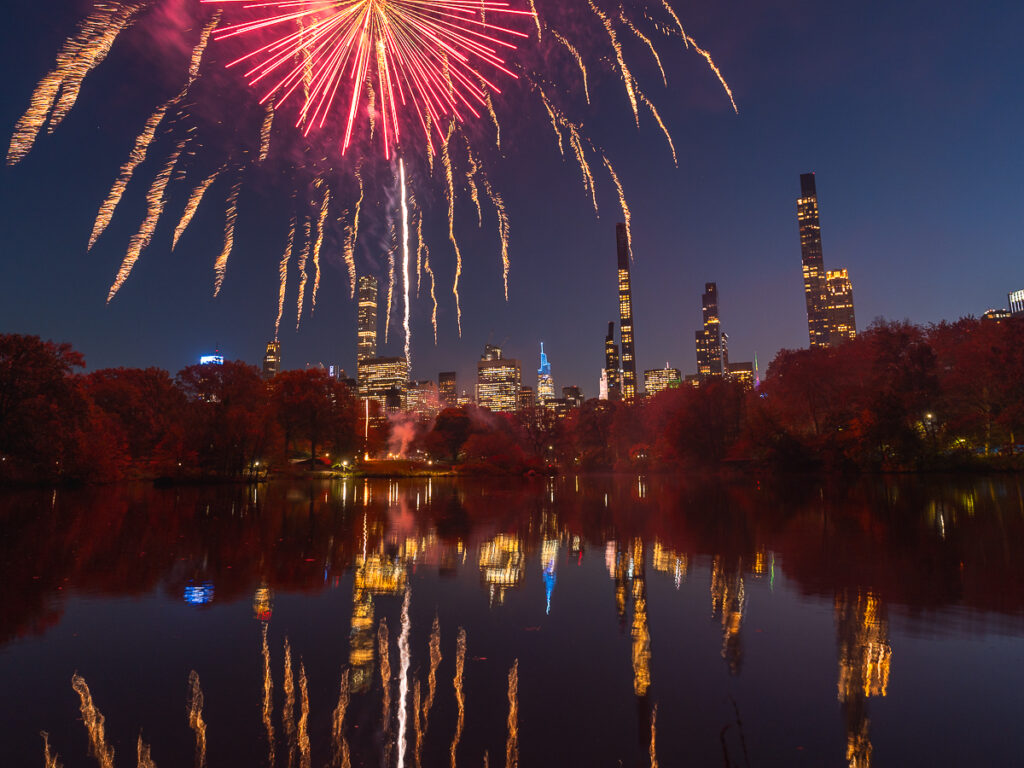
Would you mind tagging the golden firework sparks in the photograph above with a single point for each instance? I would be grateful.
(536, 18)
(460, 665)
(339, 743)
(715, 69)
(660, 122)
(417, 722)
(492, 113)
(192, 206)
(617, 47)
(385, 673)
(578, 58)
(265, 131)
(675, 18)
(626, 216)
(303, 729)
(576, 142)
(654, 730)
(430, 273)
(554, 115)
(94, 724)
(318, 245)
(450, 197)
(646, 40)
(221, 265)
(282, 272)
(303, 277)
(50, 759)
(145, 760)
(503, 229)
(195, 718)
(474, 193)
(288, 711)
(352, 234)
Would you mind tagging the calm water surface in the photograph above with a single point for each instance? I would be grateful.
(578, 622)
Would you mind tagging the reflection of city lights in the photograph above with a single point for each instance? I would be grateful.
(263, 603)
(548, 561)
(501, 564)
(199, 594)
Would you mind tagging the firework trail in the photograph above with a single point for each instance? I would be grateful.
(265, 130)
(555, 117)
(579, 61)
(474, 193)
(503, 230)
(195, 718)
(494, 119)
(403, 682)
(660, 122)
(192, 206)
(353, 233)
(93, 720)
(288, 712)
(675, 18)
(321, 222)
(221, 265)
(430, 273)
(340, 744)
(576, 142)
(626, 216)
(536, 19)
(405, 276)
(419, 243)
(145, 759)
(392, 238)
(51, 759)
(155, 201)
(303, 730)
(303, 277)
(435, 661)
(283, 278)
(385, 672)
(460, 665)
(512, 745)
(417, 721)
(268, 695)
(617, 47)
(450, 197)
(646, 41)
(653, 750)
(81, 54)
(715, 69)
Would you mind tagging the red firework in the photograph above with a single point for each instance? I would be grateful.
(423, 55)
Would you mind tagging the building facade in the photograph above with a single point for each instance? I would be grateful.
(545, 384)
(1016, 300)
(380, 377)
(498, 381)
(421, 399)
(447, 391)
(573, 396)
(660, 379)
(708, 340)
(366, 346)
(626, 329)
(611, 384)
(272, 360)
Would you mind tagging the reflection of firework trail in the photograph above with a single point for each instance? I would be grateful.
(321, 222)
(155, 200)
(460, 665)
(81, 54)
(435, 661)
(417, 721)
(403, 682)
(340, 744)
(192, 206)
(283, 275)
(626, 216)
(503, 229)
(653, 750)
(385, 671)
(221, 266)
(268, 696)
(579, 61)
(303, 277)
(288, 712)
(303, 730)
(430, 272)
(145, 759)
(195, 718)
(268, 125)
(512, 745)
(617, 47)
(661, 124)
(450, 196)
(51, 759)
(644, 39)
(93, 720)
(405, 266)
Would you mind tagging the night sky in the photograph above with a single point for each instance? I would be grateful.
(910, 112)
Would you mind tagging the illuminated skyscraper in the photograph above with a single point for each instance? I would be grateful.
(381, 376)
(841, 320)
(1016, 303)
(367, 318)
(421, 398)
(709, 338)
(660, 379)
(626, 316)
(611, 382)
(545, 384)
(272, 360)
(813, 264)
(498, 381)
(447, 391)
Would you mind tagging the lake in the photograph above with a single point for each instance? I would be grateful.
(590, 621)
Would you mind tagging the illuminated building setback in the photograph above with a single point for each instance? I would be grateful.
(812, 261)
(660, 379)
(272, 360)
(626, 330)
(710, 353)
(842, 321)
(366, 346)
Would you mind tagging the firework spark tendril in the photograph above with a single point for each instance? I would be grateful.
(268, 698)
(320, 232)
(340, 748)
(192, 206)
(303, 277)
(450, 197)
(221, 265)
(283, 276)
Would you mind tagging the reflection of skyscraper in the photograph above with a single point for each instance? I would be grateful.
(375, 574)
(710, 353)
(501, 564)
(367, 318)
(728, 601)
(272, 360)
(545, 384)
(611, 365)
(641, 633)
(626, 315)
(447, 391)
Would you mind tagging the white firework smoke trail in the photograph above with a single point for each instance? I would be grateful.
(403, 683)
(192, 206)
(405, 272)
(221, 265)
(283, 276)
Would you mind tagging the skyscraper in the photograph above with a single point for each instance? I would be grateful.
(367, 318)
(1016, 300)
(611, 365)
(660, 379)
(447, 391)
(813, 264)
(626, 316)
(272, 360)
(841, 320)
(545, 384)
(709, 339)
(498, 381)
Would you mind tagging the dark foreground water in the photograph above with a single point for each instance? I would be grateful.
(589, 622)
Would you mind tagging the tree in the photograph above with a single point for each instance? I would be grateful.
(312, 407)
(450, 431)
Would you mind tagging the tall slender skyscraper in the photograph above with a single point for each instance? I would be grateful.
(626, 316)
(611, 365)
(815, 291)
(710, 353)
(272, 360)
(545, 384)
(367, 319)
(841, 320)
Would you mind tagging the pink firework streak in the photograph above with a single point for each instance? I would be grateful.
(423, 55)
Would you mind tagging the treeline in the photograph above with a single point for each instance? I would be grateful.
(899, 396)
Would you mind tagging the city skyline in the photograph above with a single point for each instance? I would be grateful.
(725, 215)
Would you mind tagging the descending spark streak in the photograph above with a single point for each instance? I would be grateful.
(512, 745)
(303, 277)
(283, 276)
(675, 17)
(265, 130)
(145, 760)
(474, 193)
(622, 202)
(435, 661)
(340, 744)
(288, 712)
(403, 682)
(576, 142)
(503, 229)
(192, 206)
(644, 39)
(554, 118)
(405, 266)
(303, 729)
(385, 672)
(419, 245)
(536, 18)
(494, 118)
(715, 69)
(450, 196)
(93, 720)
(430, 273)
(661, 124)
(268, 692)
(579, 60)
(460, 665)
(321, 222)
(50, 759)
(221, 265)
(81, 54)
(155, 200)
(392, 236)
(653, 750)
(195, 718)
(617, 47)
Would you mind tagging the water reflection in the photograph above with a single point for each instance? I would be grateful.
(935, 556)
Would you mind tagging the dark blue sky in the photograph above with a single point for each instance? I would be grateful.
(911, 114)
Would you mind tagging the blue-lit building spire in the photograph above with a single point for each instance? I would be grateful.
(545, 384)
